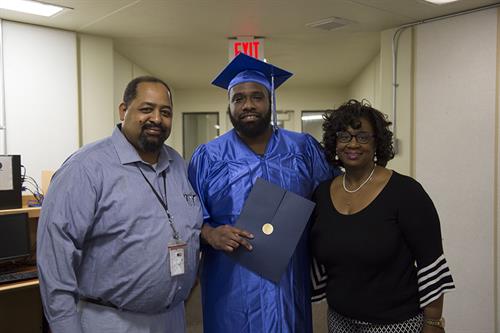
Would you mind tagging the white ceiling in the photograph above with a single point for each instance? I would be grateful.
(185, 41)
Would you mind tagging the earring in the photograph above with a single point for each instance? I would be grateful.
(375, 159)
(336, 157)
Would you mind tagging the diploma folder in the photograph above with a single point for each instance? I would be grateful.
(277, 218)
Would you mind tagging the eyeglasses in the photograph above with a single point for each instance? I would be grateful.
(361, 137)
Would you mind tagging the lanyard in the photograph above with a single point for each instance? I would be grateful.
(164, 204)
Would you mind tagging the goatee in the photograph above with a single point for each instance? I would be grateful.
(152, 144)
(252, 129)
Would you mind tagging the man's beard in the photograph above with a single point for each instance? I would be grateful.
(152, 144)
(253, 129)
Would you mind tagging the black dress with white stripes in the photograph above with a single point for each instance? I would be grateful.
(385, 263)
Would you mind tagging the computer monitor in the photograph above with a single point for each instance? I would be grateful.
(10, 182)
(14, 237)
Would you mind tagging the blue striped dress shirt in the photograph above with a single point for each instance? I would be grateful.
(103, 234)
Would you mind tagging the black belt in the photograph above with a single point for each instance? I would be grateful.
(102, 302)
(99, 301)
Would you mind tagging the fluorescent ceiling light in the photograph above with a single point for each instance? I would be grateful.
(30, 7)
(313, 117)
(440, 2)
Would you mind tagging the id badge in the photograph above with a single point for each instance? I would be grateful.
(177, 254)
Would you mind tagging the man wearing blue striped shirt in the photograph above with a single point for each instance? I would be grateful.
(119, 231)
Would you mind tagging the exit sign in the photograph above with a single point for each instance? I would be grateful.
(253, 47)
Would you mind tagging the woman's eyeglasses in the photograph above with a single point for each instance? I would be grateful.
(361, 137)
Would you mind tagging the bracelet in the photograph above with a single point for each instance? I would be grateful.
(435, 322)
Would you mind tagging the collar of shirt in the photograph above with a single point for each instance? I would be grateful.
(128, 154)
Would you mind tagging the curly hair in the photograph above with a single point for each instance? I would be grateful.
(348, 115)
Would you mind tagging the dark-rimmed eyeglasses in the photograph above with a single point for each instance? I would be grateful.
(361, 137)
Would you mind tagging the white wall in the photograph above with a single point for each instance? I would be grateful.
(404, 97)
(122, 75)
(448, 130)
(138, 71)
(456, 156)
(96, 87)
(124, 72)
(41, 95)
(366, 85)
(48, 79)
(374, 83)
(104, 74)
(497, 181)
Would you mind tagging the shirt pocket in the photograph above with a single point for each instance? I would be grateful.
(192, 207)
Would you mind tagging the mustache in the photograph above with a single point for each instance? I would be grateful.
(153, 126)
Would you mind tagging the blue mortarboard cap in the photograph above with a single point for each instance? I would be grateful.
(250, 76)
(244, 68)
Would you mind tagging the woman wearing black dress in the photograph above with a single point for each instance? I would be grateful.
(377, 233)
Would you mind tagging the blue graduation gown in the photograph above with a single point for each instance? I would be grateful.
(223, 172)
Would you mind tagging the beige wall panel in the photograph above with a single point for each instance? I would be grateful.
(403, 134)
(455, 94)
(122, 72)
(497, 168)
(366, 84)
(139, 71)
(96, 87)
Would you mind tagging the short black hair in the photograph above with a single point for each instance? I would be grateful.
(131, 90)
(349, 115)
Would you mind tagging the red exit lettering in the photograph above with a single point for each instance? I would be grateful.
(248, 48)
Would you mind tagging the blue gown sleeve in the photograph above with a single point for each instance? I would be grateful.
(198, 170)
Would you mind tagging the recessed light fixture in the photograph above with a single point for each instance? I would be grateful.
(330, 23)
(31, 7)
(439, 2)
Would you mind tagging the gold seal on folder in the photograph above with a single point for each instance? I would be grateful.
(267, 228)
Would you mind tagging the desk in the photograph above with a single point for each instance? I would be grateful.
(33, 212)
(20, 303)
(18, 285)
(21, 307)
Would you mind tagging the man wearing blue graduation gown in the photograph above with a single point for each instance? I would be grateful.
(223, 172)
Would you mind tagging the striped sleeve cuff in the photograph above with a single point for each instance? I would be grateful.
(434, 280)
(318, 279)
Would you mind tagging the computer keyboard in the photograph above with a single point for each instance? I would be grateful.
(18, 276)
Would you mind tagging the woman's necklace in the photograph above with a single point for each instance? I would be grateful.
(360, 186)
